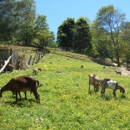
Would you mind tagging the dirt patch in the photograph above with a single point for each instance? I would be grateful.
(124, 71)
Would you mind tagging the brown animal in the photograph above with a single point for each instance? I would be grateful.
(118, 72)
(22, 84)
(95, 81)
(36, 70)
(108, 83)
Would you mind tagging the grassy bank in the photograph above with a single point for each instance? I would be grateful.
(65, 102)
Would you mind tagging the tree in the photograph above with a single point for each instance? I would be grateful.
(101, 43)
(126, 32)
(44, 38)
(125, 46)
(65, 34)
(43, 35)
(42, 22)
(7, 19)
(110, 19)
(17, 20)
(26, 21)
(82, 37)
(20, 22)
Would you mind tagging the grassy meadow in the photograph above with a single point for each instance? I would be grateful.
(65, 102)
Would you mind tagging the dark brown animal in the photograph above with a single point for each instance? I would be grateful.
(36, 70)
(95, 81)
(81, 66)
(22, 84)
(108, 83)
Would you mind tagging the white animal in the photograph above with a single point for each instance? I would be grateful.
(111, 84)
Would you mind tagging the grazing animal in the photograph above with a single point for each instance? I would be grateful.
(94, 80)
(108, 83)
(22, 84)
(118, 72)
(81, 66)
(36, 70)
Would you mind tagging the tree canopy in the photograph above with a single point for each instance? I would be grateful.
(111, 20)
(74, 35)
(19, 22)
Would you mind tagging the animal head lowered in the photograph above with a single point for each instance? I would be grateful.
(122, 89)
(109, 83)
(22, 84)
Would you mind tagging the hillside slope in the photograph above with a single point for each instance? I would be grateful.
(65, 102)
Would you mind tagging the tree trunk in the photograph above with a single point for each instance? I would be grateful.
(117, 58)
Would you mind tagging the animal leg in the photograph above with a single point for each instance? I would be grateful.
(89, 89)
(96, 88)
(37, 96)
(25, 93)
(114, 93)
(103, 91)
(16, 97)
(19, 95)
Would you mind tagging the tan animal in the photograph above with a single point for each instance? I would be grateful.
(109, 83)
(36, 70)
(95, 81)
(22, 84)
(118, 72)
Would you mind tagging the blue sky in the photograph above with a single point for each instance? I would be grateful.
(58, 11)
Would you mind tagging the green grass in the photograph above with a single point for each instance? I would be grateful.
(65, 102)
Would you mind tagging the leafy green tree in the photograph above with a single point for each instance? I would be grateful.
(65, 34)
(20, 22)
(27, 21)
(125, 46)
(43, 35)
(17, 20)
(126, 32)
(42, 22)
(82, 37)
(101, 42)
(44, 38)
(51, 42)
(7, 20)
(110, 19)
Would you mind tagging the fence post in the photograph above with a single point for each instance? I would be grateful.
(10, 62)
(29, 60)
(33, 59)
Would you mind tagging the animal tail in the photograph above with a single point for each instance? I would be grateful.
(38, 83)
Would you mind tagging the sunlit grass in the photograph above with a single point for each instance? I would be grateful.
(65, 102)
